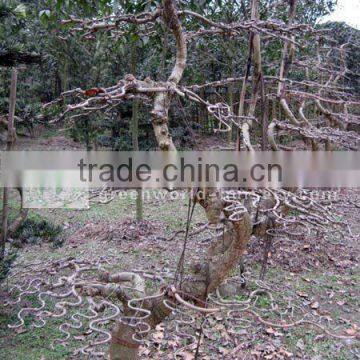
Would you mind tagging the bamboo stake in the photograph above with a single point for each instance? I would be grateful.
(9, 146)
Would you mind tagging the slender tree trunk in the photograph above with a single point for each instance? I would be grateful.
(135, 131)
(241, 109)
(57, 83)
(135, 144)
(65, 72)
(87, 134)
(10, 144)
(203, 114)
(265, 120)
(257, 81)
(230, 99)
(287, 58)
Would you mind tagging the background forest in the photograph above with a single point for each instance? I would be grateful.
(64, 62)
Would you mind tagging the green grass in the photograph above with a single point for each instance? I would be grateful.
(315, 347)
(241, 297)
(29, 343)
(32, 344)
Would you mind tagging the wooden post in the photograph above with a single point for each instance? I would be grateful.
(135, 131)
(9, 146)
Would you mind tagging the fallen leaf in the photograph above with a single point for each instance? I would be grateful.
(173, 343)
(352, 331)
(144, 351)
(270, 330)
(219, 327)
(210, 335)
(300, 344)
(158, 336)
(223, 350)
(319, 337)
(315, 305)
(286, 353)
(185, 355)
(303, 294)
(20, 330)
(93, 92)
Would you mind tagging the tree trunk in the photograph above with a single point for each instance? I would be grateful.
(287, 58)
(205, 277)
(123, 346)
(135, 131)
(230, 99)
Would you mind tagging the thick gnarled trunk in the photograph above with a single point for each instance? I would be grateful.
(221, 258)
(124, 345)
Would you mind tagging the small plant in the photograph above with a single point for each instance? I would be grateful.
(241, 297)
(5, 264)
(263, 302)
(34, 231)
